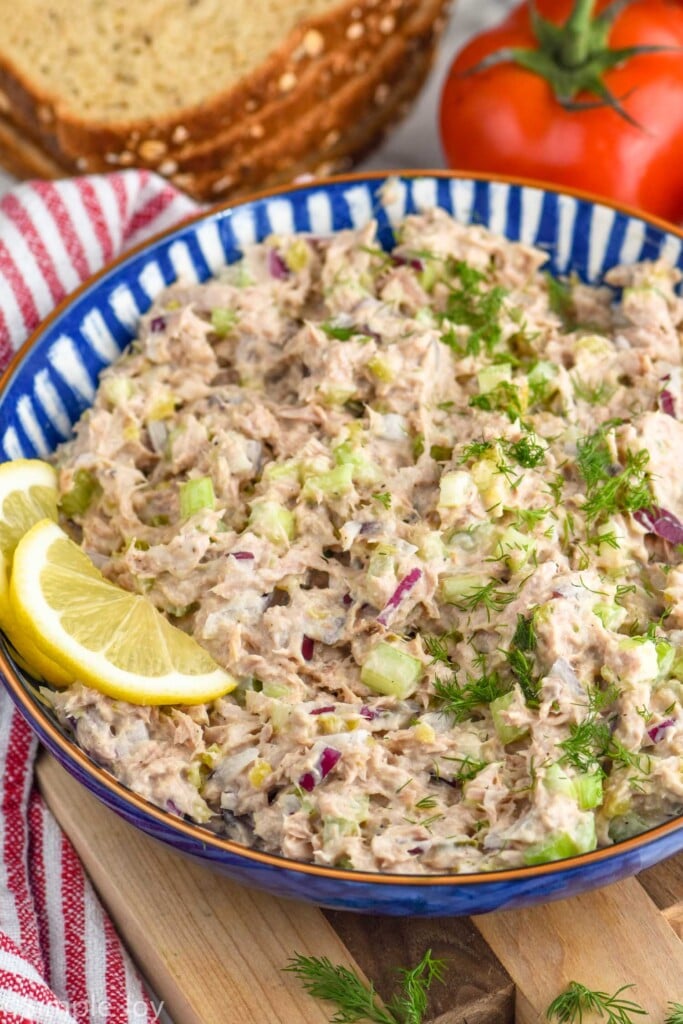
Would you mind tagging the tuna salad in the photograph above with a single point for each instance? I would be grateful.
(426, 506)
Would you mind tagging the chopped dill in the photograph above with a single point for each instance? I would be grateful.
(489, 596)
(460, 701)
(570, 1006)
(384, 498)
(610, 487)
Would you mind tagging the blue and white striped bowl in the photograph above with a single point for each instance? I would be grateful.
(53, 380)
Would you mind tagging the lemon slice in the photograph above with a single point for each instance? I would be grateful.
(28, 493)
(115, 641)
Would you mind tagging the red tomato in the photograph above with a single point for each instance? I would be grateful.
(506, 119)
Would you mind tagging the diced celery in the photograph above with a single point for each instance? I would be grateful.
(564, 844)
(612, 616)
(275, 690)
(273, 521)
(541, 374)
(332, 484)
(298, 255)
(117, 390)
(289, 469)
(195, 495)
(381, 561)
(391, 671)
(77, 500)
(162, 407)
(429, 275)
(456, 489)
(381, 369)
(506, 733)
(455, 588)
(259, 772)
(424, 733)
(489, 377)
(585, 788)
(515, 547)
(223, 321)
(365, 471)
(594, 346)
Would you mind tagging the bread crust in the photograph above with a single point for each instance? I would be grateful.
(324, 122)
(338, 34)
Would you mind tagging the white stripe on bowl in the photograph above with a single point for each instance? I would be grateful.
(531, 210)
(63, 356)
(281, 216)
(48, 396)
(151, 280)
(183, 264)
(94, 328)
(319, 213)
(566, 215)
(11, 446)
(462, 200)
(499, 197)
(424, 194)
(394, 198)
(27, 418)
(243, 224)
(209, 241)
(598, 240)
(671, 250)
(360, 205)
(124, 306)
(633, 242)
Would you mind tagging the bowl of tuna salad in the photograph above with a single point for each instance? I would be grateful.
(403, 455)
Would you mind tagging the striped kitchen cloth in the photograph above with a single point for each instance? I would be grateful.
(61, 961)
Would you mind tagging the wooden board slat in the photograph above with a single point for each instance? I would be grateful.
(213, 950)
(603, 939)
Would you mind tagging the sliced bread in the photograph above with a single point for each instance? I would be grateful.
(215, 92)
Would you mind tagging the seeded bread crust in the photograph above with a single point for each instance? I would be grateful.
(329, 42)
(341, 101)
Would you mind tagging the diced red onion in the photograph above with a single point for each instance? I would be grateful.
(277, 267)
(403, 261)
(307, 782)
(347, 600)
(415, 851)
(173, 808)
(656, 732)
(323, 711)
(157, 324)
(662, 523)
(368, 714)
(404, 587)
(328, 759)
(667, 403)
(307, 648)
(242, 556)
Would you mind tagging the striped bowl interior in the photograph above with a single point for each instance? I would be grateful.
(54, 379)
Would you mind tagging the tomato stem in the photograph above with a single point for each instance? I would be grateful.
(575, 48)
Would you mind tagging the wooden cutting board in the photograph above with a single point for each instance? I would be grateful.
(214, 951)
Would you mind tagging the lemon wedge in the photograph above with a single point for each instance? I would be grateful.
(114, 641)
(28, 493)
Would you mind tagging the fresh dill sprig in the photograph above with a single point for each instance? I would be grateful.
(468, 305)
(675, 1013)
(505, 397)
(460, 701)
(570, 1006)
(526, 452)
(357, 1001)
(475, 449)
(560, 301)
(437, 646)
(384, 498)
(610, 487)
(468, 770)
(336, 984)
(520, 658)
(597, 394)
(488, 596)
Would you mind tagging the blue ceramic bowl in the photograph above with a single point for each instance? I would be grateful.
(53, 380)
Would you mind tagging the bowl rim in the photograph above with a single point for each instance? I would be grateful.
(33, 710)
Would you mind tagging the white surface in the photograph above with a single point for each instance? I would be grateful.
(415, 142)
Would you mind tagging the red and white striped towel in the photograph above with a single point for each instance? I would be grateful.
(61, 961)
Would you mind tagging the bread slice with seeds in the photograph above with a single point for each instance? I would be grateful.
(198, 89)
